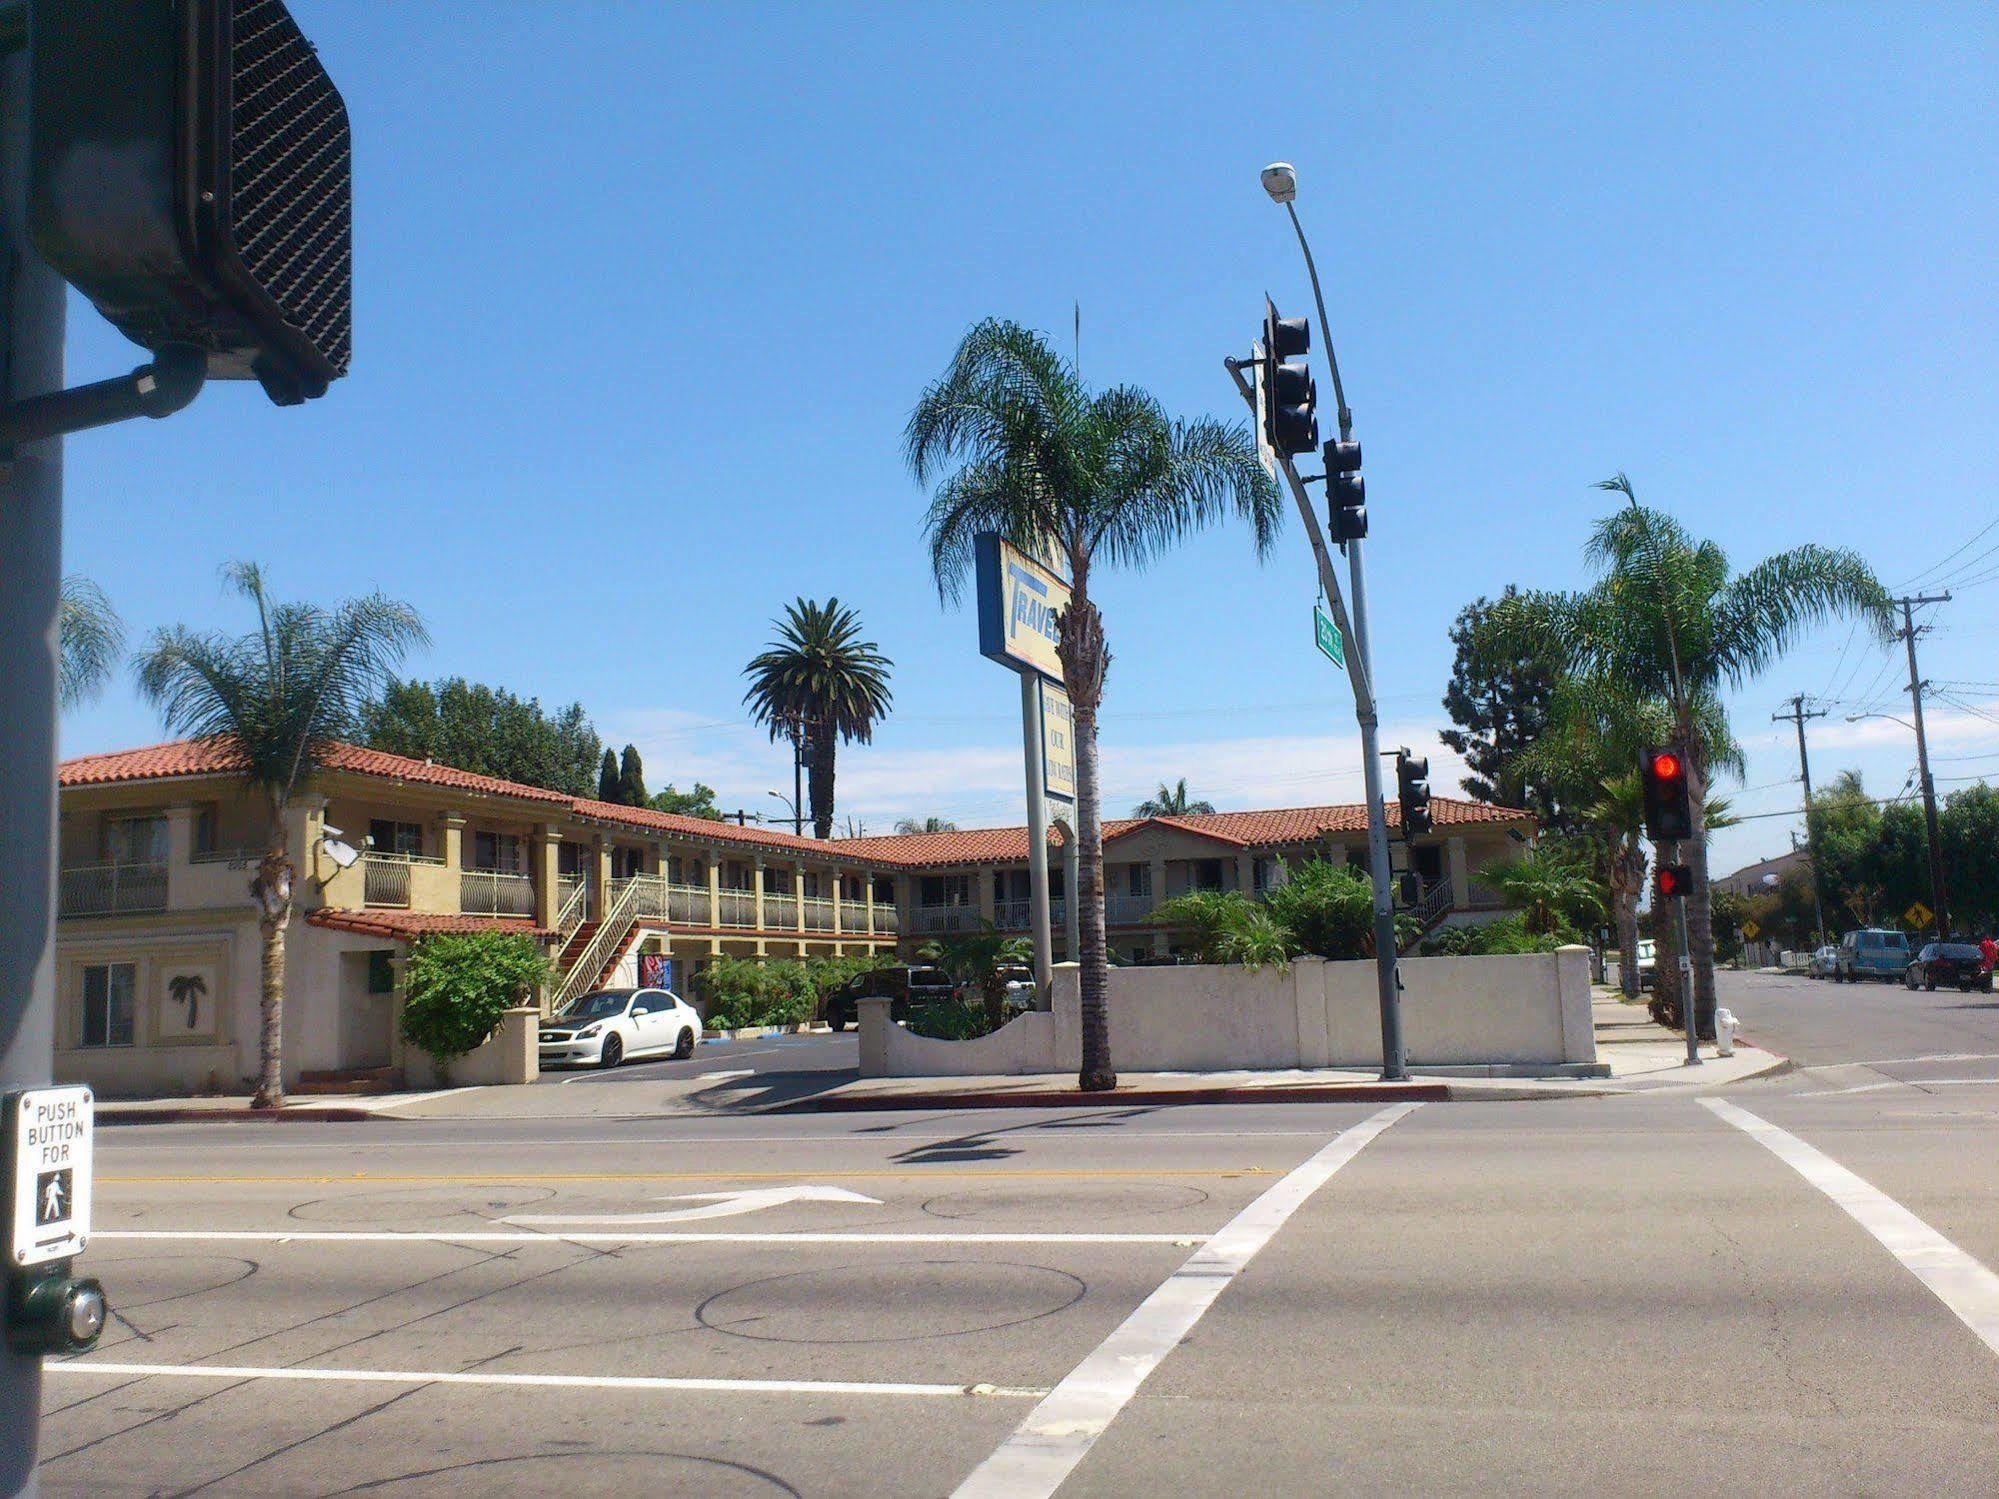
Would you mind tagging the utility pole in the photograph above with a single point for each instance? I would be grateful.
(31, 354)
(1907, 634)
(1798, 714)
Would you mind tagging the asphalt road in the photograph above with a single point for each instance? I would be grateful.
(1785, 1291)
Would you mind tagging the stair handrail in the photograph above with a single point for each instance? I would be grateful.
(1430, 912)
(589, 964)
(571, 915)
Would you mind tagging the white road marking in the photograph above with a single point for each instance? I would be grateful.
(522, 1236)
(1917, 1083)
(715, 1205)
(531, 1381)
(716, 1077)
(1045, 1448)
(1957, 1279)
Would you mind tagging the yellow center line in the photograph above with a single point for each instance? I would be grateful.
(918, 1173)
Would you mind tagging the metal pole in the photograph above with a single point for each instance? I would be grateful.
(1387, 980)
(1923, 763)
(1798, 714)
(31, 542)
(1037, 839)
(1684, 979)
(798, 783)
(1072, 907)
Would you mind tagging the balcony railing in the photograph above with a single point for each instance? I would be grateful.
(738, 908)
(888, 920)
(385, 880)
(1127, 910)
(493, 892)
(112, 889)
(781, 912)
(242, 855)
(818, 914)
(944, 919)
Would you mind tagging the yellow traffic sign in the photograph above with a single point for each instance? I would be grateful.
(1919, 915)
(1751, 930)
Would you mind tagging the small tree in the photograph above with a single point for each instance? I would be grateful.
(700, 802)
(1224, 926)
(457, 985)
(607, 776)
(632, 779)
(1327, 908)
(981, 958)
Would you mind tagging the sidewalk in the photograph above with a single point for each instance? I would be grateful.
(1636, 1056)
(298, 1109)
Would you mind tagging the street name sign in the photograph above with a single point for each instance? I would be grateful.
(1327, 634)
(48, 1134)
(1919, 915)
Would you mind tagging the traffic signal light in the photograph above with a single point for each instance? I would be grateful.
(1290, 396)
(1669, 799)
(1412, 784)
(1672, 882)
(190, 173)
(1346, 491)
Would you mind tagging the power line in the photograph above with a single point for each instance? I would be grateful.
(1965, 547)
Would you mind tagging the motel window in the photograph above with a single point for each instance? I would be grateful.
(497, 853)
(569, 858)
(109, 990)
(1205, 874)
(405, 838)
(204, 828)
(946, 890)
(884, 890)
(382, 971)
(1138, 879)
(134, 840)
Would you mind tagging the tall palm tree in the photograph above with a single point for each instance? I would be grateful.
(91, 636)
(1016, 444)
(817, 684)
(1667, 620)
(1171, 801)
(281, 693)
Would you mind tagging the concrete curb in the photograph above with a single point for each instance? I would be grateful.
(111, 1114)
(1041, 1098)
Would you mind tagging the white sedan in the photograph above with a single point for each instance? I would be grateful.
(604, 1028)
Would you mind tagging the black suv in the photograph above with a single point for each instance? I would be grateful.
(1956, 963)
(902, 983)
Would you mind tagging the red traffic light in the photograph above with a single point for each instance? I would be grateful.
(1673, 881)
(1666, 765)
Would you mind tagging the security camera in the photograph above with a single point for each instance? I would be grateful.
(1280, 181)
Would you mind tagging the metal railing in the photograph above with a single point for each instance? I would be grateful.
(242, 854)
(737, 908)
(1127, 910)
(385, 880)
(818, 914)
(575, 907)
(494, 892)
(780, 912)
(111, 889)
(944, 919)
(888, 920)
(1481, 897)
(611, 932)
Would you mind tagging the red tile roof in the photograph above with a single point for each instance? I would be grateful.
(406, 925)
(1277, 826)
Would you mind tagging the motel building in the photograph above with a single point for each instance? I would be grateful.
(158, 948)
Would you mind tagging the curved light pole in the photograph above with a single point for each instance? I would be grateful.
(1280, 180)
(797, 824)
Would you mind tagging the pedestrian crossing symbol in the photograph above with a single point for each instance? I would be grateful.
(1918, 915)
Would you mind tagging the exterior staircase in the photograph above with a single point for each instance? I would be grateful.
(1431, 910)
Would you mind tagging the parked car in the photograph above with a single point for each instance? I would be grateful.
(1823, 961)
(1958, 963)
(604, 1028)
(904, 984)
(1019, 990)
(1871, 953)
(1648, 962)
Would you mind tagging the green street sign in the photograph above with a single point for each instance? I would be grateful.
(1328, 636)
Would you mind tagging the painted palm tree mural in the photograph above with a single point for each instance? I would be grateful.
(187, 989)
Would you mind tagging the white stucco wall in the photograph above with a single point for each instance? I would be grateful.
(1526, 1010)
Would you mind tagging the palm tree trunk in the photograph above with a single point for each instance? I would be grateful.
(1084, 662)
(1666, 997)
(819, 780)
(273, 891)
(1627, 937)
(1700, 908)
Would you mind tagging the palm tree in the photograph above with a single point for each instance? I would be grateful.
(1553, 891)
(91, 636)
(282, 694)
(819, 683)
(1667, 621)
(1171, 801)
(930, 824)
(1016, 444)
(984, 959)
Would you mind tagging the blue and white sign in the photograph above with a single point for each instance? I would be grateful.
(1018, 601)
(1058, 744)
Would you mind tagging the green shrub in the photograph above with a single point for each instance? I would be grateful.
(457, 985)
(1327, 909)
(1227, 927)
(741, 992)
(1507, 935)
(949, 1020)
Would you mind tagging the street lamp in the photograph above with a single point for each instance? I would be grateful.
(797, 822)
(1280, 181)
(1856, 717)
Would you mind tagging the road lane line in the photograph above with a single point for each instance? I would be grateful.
(531, 1381)
(716, 1077)
(1045, 1448)
(505, 1178)
(636, 1236)
(1957, 1279)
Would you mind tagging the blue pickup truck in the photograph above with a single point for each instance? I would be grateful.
(1872, 953)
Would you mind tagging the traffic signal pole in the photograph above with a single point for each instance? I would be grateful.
(31, 355)
(1360, 669)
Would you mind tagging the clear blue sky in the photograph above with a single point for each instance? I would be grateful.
(645, 294)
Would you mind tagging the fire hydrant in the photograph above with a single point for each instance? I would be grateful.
(1724, 1033)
